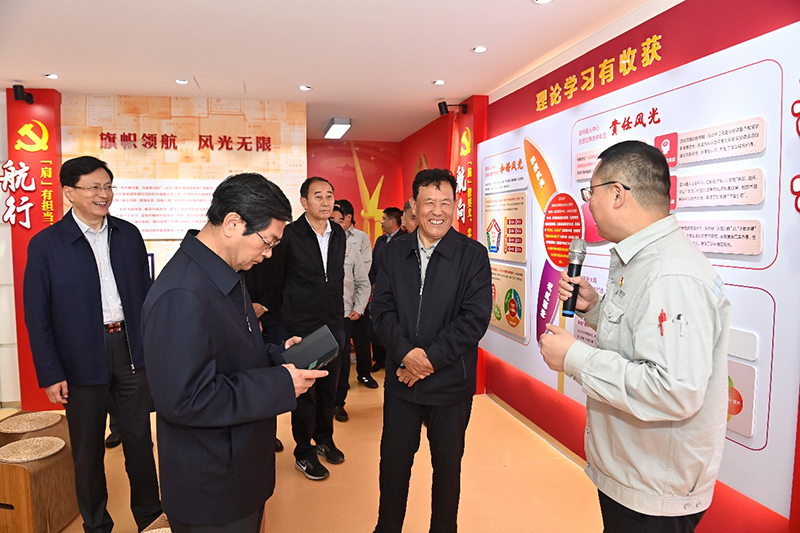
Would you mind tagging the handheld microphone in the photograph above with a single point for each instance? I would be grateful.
(577, 253)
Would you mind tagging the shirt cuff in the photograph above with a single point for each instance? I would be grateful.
(576, 356)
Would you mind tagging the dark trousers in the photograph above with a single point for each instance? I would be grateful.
(446, 428)
(378, 350)
(113, 425)
(361, 332)
(379, 354)
(313, 416)
(86, 414)
(249, 524)
(344, 370)
(619, 519)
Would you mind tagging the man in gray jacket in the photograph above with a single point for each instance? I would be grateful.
(657, 379)
(356, 296)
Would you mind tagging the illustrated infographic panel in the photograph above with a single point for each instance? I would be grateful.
(729, 126)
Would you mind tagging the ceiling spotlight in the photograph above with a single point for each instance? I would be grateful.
(336, 128)
(51, 76)
(479, 49)
(541, 1)
(438, 82)
(306, 87)
(181, 81)
(444, 105)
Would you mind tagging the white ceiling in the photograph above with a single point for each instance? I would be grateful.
(370, 60)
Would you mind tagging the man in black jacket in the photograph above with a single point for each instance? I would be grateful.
(310, 266)
(431, 306)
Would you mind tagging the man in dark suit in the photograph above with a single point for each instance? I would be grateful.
(311, 264)
(217, 387)
(85, 281)
(391, 225)
(431, 306)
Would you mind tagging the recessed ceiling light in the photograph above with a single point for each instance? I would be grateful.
(306, 87)
(51, 76)
(181, 81)
(479, 49)
(541, 1)
(438, 82)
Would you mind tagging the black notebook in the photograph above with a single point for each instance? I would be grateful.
(315, 351)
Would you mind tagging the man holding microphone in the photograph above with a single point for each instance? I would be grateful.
(656, 380)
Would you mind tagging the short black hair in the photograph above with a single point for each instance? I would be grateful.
(253, 197)
(346, 208)
(406, 207)
(640, 166)
(395, 214)
(307, 185)
(433, 176)
(73, 169)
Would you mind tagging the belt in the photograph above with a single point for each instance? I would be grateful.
(114, 327)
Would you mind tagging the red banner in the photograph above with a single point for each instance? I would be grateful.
(468, 130)
(30, 178)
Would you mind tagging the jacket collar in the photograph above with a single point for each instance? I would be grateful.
(305, 229)
(218, 271)
(630, 246)
(73, 231)
(446, 245)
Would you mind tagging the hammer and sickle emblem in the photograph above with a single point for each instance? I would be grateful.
(39, 142)
(466, 143)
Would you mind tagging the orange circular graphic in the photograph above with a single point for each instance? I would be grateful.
(562, 223)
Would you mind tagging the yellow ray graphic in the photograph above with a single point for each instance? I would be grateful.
(422, 162)
(371, 213)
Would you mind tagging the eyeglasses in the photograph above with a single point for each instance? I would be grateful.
(269, 245)
(95, 189)
(586, 192)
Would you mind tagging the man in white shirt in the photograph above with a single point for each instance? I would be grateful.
(309, 265)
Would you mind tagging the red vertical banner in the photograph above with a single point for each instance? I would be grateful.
(468, 130)
(30, 179)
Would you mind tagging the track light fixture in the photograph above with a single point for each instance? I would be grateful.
(444, 105)
(20, 94)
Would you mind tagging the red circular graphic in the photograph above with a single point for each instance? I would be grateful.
(562, 223)
(796, 191)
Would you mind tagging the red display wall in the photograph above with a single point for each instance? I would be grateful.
(428, 147)
(368, 174)
(691, 30)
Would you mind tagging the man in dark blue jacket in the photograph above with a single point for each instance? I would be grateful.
(217, 387)
(431, 306)
(85, 281)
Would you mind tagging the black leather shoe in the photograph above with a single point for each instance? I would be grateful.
(332, 454)
(278, 445)
(113, 440)
(376, 366)
(340, 414)
(368, 381)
